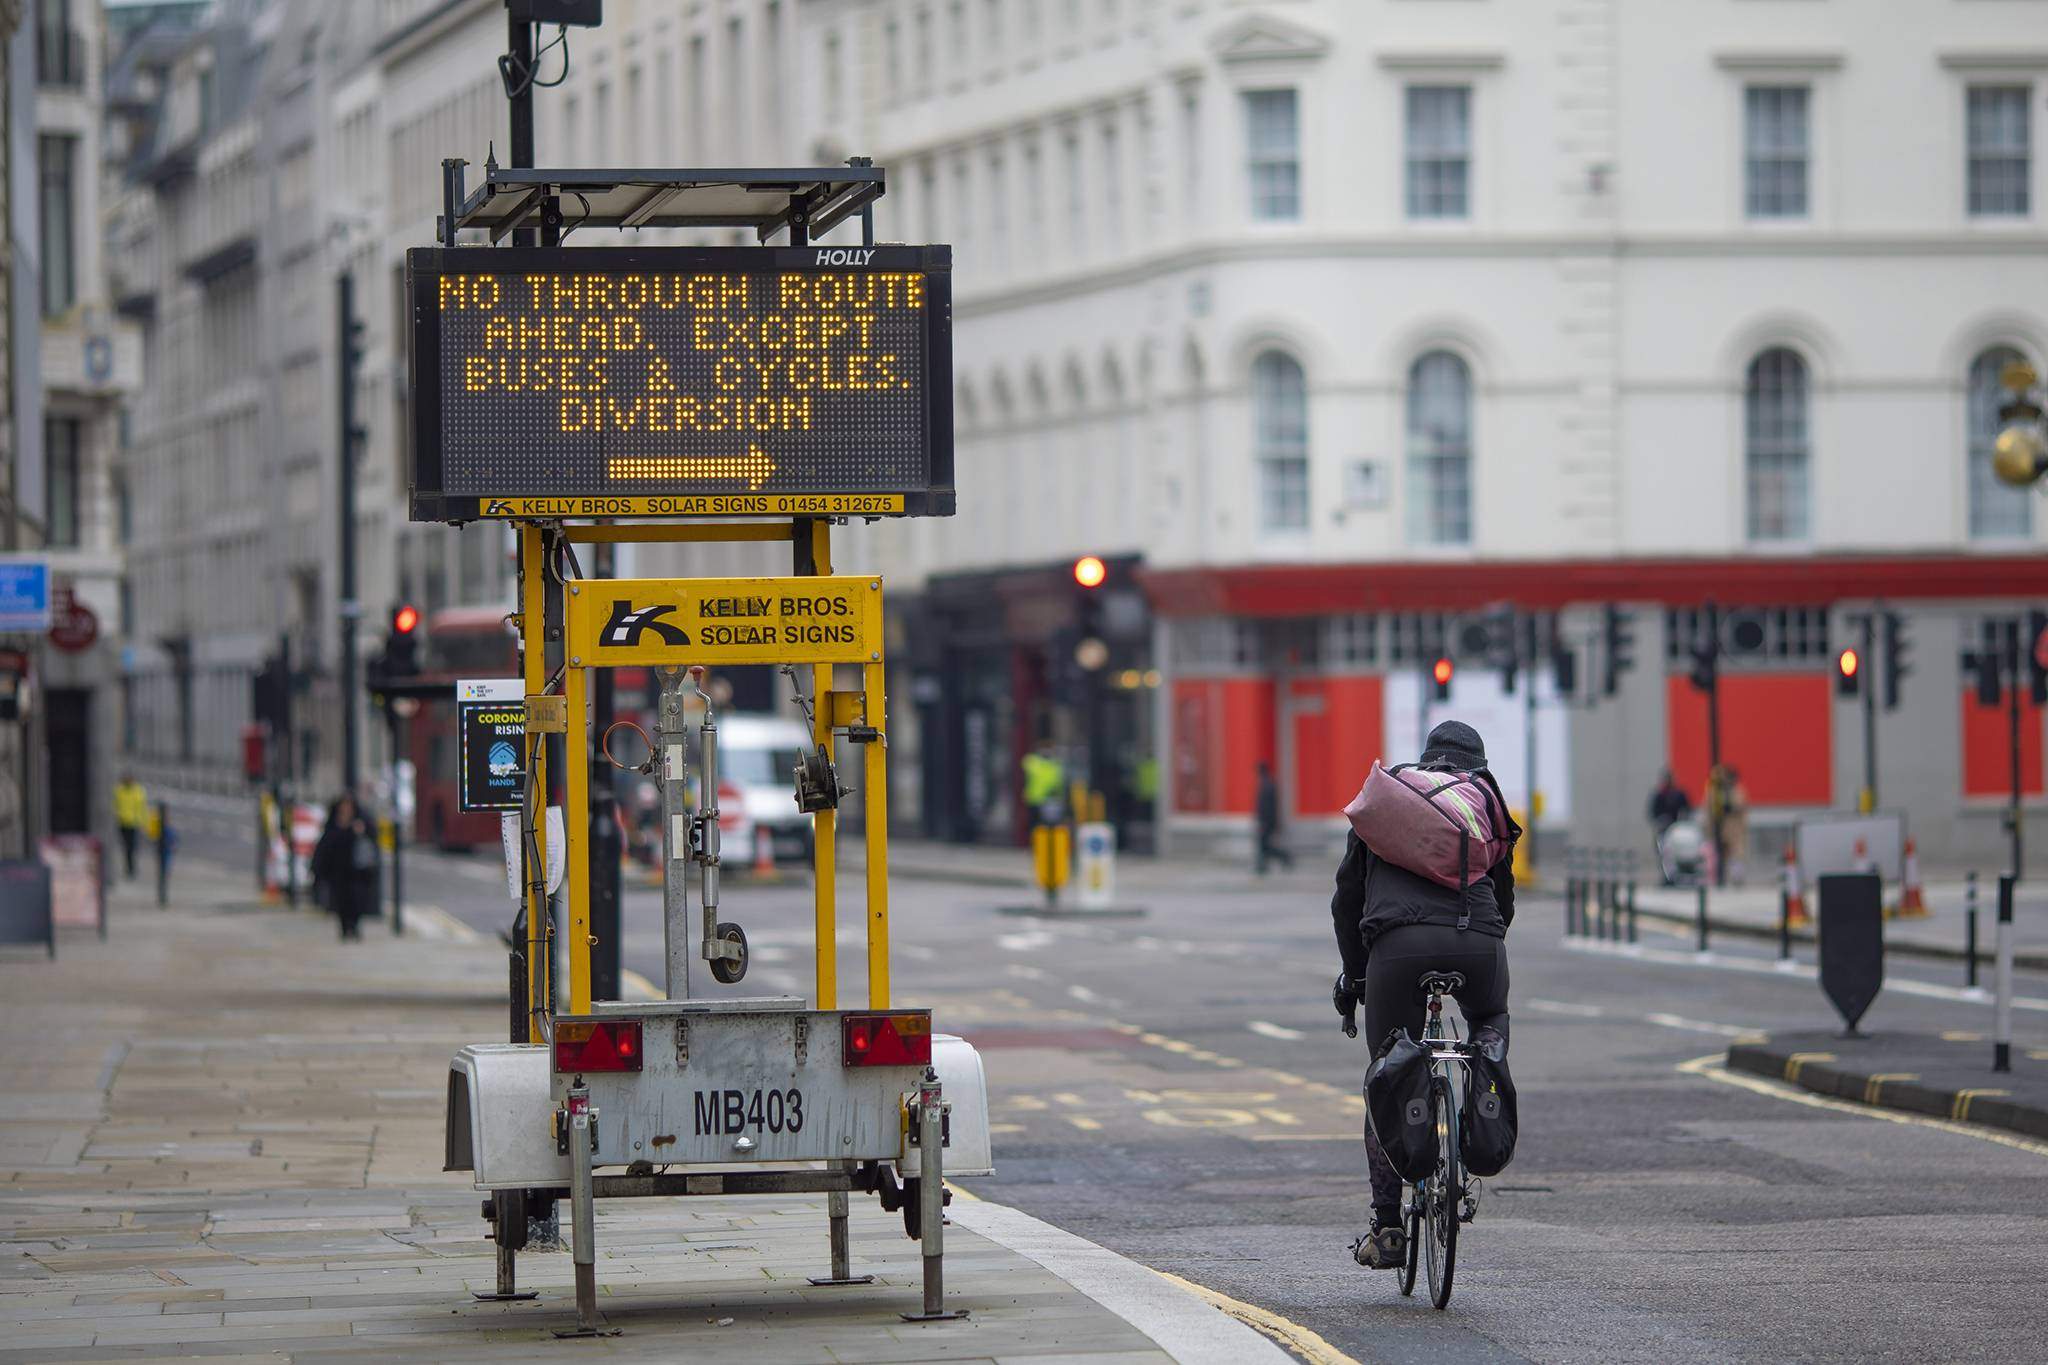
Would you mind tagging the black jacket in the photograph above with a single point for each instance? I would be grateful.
(1374, 895)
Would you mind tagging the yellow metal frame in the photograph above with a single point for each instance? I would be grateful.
(832, 708)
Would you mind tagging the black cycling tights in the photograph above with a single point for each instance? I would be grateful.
(1401, 957)
(1393, 999)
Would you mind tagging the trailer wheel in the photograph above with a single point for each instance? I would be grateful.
(508, 1218)
(913, 1221)
(726, 970)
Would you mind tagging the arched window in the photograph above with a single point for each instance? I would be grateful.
(1998, 511)
(1280, 434)
(1776, 456)
(1440, 450)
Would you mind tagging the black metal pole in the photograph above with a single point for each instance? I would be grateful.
(286, 797)
(397, 724)
(1784, 923)
(1701, 918)
(1867, 667)
(351, 610)
(163, 854)
(2001, 979)
(2014, 679)
(1718, 808)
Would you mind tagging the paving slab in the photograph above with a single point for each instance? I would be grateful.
(249, 1170)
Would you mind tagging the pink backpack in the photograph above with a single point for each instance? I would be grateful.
(1445, 825)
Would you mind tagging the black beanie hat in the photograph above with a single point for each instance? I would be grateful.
(1454, 744)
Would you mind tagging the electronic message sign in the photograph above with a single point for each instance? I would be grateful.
(681, 381)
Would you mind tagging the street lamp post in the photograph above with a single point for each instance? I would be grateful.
(2020, 454)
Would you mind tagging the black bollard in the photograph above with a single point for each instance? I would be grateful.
(1701, 916)
(164, 840)
(1970, 930)
(1631, 895)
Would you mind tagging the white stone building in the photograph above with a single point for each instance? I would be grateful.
(1348, 315)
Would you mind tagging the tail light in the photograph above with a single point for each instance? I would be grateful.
(886, 1039)
(597, 1045)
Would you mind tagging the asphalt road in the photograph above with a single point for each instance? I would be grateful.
(1175, 1087)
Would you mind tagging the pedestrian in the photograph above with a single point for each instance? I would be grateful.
(1395, 925)
(131, 813)
(1668, 805)
(345, 865)
(1044, 777)
(1266, 813)
(1734, 825)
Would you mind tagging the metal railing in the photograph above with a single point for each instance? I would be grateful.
(1600, 893)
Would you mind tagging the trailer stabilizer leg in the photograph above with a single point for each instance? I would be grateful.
(931, 1193)
(842, 1246)
(507, 1213)
(583, 1209)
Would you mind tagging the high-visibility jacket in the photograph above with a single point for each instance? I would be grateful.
(1043, 778)
(131, 805)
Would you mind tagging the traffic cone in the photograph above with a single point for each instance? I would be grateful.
(1795, 902)
(1912, 900)
(1863, 856)
(764, 854)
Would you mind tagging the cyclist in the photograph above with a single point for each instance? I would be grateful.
(1392, 927)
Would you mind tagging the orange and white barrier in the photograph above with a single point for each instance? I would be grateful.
(1912, 900)
(1795, 900)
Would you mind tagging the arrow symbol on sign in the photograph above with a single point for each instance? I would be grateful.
(757, 466)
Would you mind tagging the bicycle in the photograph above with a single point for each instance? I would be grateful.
(1443, 1199)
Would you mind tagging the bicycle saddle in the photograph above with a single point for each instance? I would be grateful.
(1442, 983)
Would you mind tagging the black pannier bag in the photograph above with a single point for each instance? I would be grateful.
(1397, 1106)
(1489, 1120)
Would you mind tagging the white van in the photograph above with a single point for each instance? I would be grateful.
(757, 758)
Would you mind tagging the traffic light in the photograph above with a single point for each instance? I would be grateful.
(2036, 645)
(1706, 664)
(1848, 674)
(1090, 572)
(1986, 664)
(1898, 655)
(1619, 632)
(1564, 663)
(1440, 675)
(402, 643)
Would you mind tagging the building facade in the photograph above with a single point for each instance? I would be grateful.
(1352, 320)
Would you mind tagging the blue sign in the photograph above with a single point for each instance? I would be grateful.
(24, 595)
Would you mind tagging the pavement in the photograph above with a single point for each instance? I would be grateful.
(1941, 933)
(221, 1134)
(1946, 1075)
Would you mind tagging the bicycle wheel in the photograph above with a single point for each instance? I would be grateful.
(1406, 1274)
(1440, 1208)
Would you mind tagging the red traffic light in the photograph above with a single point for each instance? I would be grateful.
(406, 619)
(1442, 672)
(1090, 572)
(1848, 662)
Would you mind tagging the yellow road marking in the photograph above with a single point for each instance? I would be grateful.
(1796, 1063)
(1307, 1137)
(1709, 1068)
(1083, 1122)
(1292, 1335)
(1960, 1035)
(995, 1128)
(1070, 1098)
(1960, 1110)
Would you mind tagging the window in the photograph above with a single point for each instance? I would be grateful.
(998, 211)
(55, 163)
(1272, 136)
(1280, 436)
(928, 197)
(1077, 195)
(2000, 150)
(992, 28)
(61, 490)
(1775, 142)
(1191, 149)
(1998, 511)
(1439, 152)
(892, 59)
(835, 78)
(1775, 445)
(963, 202)
(1112, 189)
(1440, 450)
(956, 23)
(922, 71)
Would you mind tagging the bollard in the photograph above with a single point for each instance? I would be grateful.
(1784, 924)
(1574, 890)
(1631, 895)
(1970, 929)
(1603, 896)
(2001, 1012)
(1701, 917)
(166, 840)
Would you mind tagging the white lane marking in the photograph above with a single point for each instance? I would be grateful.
(1280, 1031)
(1710, 1068)
(1577, 1011)
(1028, 940)
(1018, 969)
(1757, 967)
(1679, 1021)
(1086, 996)
(916, 952)
(432, 922)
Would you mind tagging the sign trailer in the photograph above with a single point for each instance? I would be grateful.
(787, 387)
